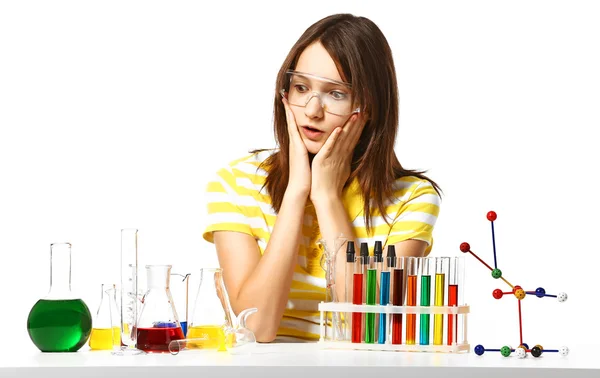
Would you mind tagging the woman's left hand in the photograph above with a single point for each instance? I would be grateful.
(331, 165)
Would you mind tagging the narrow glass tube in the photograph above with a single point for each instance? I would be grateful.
(397, 296)
(441, 271)
(357, 299)
(364, 264)
(370, 300)
(452, 298)
(411, 299)
(378, 258)
(349, 278)
(384, 299)
(425, 273)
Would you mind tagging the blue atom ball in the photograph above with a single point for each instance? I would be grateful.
(479, 350)
(540, 292)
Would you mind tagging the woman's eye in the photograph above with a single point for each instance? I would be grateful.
(300, 88)
(337, 95)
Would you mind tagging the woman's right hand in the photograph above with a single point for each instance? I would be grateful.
(300, 175)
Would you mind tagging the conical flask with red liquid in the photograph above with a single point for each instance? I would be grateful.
(61, 321)
(158, 323)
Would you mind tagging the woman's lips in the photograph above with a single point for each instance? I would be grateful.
(312, 134)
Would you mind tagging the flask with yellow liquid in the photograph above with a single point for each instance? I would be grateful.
(106, 330)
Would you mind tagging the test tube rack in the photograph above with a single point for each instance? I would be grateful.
(348, 308)
(518, 292)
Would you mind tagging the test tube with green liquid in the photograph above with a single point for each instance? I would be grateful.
(425, 271)
(441, 272)
(370, 331)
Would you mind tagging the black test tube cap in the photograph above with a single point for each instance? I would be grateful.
(391, 252)
(364, 252)
(350, 252)
(378, 251)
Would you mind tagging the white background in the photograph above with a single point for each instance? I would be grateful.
(114, 114)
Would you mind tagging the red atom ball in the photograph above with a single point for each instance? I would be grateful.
(465, 247)
(497, 294)
(517, 287)
(491, 216)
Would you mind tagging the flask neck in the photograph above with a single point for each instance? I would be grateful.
(60, 271)
(158, 276)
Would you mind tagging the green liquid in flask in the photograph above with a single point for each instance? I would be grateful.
(62, 325)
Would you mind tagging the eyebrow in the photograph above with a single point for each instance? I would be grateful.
(326, 79)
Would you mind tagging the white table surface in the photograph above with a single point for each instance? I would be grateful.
(299, 360)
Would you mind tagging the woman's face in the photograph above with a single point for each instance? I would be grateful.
(314, 123)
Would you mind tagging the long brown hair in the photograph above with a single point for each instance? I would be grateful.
(363, 58)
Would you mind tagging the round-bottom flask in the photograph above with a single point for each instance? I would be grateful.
(60, 322)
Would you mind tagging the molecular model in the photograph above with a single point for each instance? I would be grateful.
(522, 350)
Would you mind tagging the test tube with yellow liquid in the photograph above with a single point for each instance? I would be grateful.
(441, 272)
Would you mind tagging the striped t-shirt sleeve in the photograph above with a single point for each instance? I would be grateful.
(224, 210)
(416, 217)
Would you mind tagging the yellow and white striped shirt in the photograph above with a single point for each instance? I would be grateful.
(237, 202)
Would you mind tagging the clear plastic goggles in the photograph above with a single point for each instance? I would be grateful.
(335, 97)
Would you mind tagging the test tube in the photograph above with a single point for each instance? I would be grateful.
(397, 264)
(441, 271)
(350, 260)
(384, 298)
(364, 264)
(378, 256)
(411, 298)
(357, 298)
(426, 268)
(455, 286)
(370, 300)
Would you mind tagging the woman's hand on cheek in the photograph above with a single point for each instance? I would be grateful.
(331, 166)
(299, 181)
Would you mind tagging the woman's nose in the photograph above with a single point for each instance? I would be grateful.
(314, 108)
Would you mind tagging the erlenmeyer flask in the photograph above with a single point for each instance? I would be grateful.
(106, 329)
(211, 325)
(60, 322)
(212, 312)
(158, 323)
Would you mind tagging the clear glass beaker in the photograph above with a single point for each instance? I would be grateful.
(106, 329)
(60, 322)
(334, 329)
(158, 323)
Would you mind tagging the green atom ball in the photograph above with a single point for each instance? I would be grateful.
(496, 273)
(505, 351)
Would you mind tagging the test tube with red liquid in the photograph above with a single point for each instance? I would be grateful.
(357, 297)
(455, 287)
(397, 268)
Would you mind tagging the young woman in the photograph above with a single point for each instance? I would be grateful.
(334, 172)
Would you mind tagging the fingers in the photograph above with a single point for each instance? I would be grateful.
(330, 143)
(352, 129)
(291, 122)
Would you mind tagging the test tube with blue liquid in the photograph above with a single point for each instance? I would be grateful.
(384, 298)
(378, 258)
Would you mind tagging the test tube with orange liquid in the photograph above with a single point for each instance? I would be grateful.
(411, 298)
